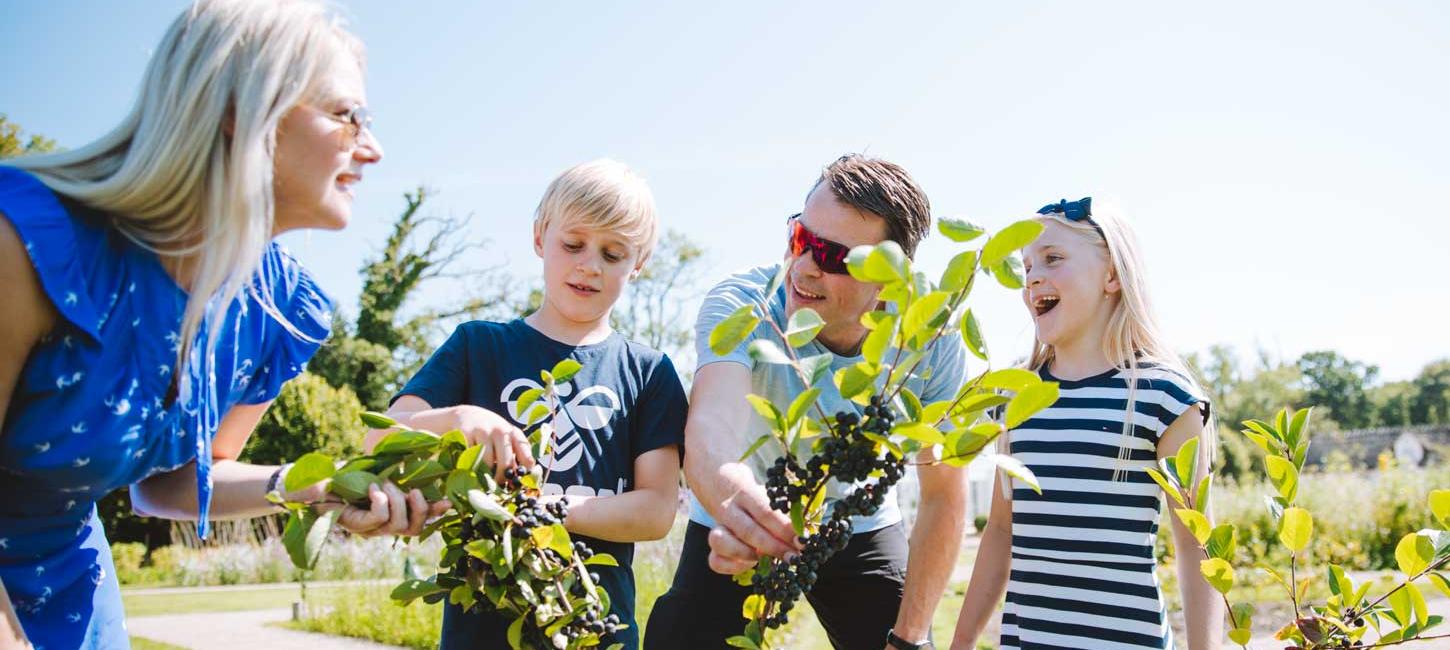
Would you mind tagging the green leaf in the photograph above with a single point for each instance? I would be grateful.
(923, 433)
(485, 506)
(527, 399)
(1417, 601)
(1283, 475)
(1186, 462)
(601, 559)
(885, 262)
(1295, 434)
(857, 379)
(310, 469)
(376, 420)
(1240, 636)
(1169, 488)
(816, 367)
(1339, 584)
(1414, 554)
(1196, 524)
(777, 280)
(738, 641)
(1220, 574)
(353, 486)
(407, 442)
(733, 331)
(959, 230)
(1014, 379)
(1222, 542)
(753, 607)
(516, 633)
(800, 405)
(916, 323)
(879, 340)
(1029, 401)
(959, 272)
(1401, 603)
(410, 590)
(1008, 240)
(312, 534)
(768, 411)
(1440, 506)
(1009, 273)
(1205, 485)
(972, 336)
(1296, 528)
(979, 402)
(1441, 582)
(1016, 469)
(766, 351)
(754, 446)
(803, 326)
(564, 370)
(1265, 429)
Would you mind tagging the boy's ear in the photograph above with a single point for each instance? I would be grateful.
(538, 240)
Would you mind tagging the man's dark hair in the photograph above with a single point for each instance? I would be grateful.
(884, 189)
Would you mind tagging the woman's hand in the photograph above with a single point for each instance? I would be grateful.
(389, 512)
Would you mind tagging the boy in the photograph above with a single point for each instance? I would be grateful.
(617, 434)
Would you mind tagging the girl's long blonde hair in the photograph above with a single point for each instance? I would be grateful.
(1133, 336)
(188, 173)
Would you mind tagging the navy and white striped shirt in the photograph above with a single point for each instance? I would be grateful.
(1082, 551)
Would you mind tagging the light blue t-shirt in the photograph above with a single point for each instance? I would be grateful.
(779, 383)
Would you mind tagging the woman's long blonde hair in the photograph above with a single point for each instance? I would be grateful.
(1133, 336)
(189, 171)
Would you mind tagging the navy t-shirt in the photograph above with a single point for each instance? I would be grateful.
(625, 401)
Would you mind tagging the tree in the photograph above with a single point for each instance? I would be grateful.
(1431, 403)
(1339, 384)
(12, 143)
(1392, 403)
(377, 353)
(651, 310)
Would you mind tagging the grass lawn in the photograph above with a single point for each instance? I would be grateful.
(216, 601)
(138, 643)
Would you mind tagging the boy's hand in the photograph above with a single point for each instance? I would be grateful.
(504, 445)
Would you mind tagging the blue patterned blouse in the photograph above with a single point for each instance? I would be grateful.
(96, 406)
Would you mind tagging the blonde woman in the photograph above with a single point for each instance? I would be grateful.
(1076, 561)
(150, 319)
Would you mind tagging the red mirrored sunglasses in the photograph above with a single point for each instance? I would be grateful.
(829, 256)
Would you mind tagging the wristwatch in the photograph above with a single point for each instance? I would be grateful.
(902, 644)
(274, 483)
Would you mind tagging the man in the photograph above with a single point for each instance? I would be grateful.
(879, 592)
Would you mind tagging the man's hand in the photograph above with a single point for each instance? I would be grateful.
(746, 527)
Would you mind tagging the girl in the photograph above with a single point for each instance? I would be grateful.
(151, 319)
(1076, 561)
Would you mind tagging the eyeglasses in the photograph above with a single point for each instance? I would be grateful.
(829, 256)
(356, 120)
(1080, 211)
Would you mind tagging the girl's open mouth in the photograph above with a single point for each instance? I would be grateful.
(1044, 304)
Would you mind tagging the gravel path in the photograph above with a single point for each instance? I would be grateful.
(249, 630)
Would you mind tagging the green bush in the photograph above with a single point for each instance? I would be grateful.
(1359, 516)
(128, 557)
(308, 415)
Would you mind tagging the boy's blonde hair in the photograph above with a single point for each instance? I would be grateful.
(605, 195)
(1133, 337)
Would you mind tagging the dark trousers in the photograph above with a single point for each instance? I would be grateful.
(856, 595)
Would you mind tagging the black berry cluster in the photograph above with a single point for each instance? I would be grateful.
(848, 456)
(529, 514)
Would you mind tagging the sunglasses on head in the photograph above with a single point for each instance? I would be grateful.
(1079, 211)
(829, 256)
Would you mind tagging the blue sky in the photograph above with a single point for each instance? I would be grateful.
(1283, 163)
